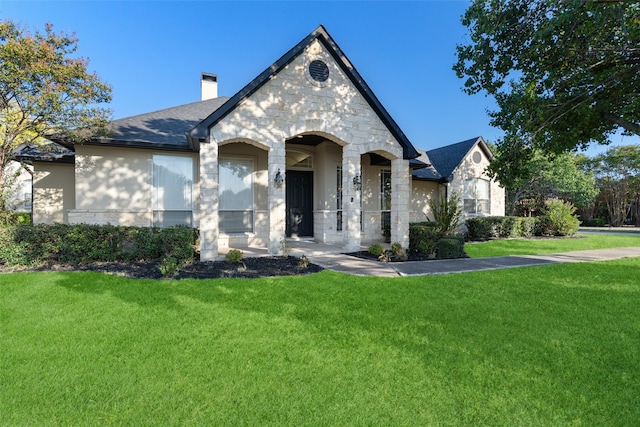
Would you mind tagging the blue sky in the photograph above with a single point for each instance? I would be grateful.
(152, 52)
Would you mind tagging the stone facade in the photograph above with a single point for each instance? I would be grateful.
(474, 166)
(293, 104)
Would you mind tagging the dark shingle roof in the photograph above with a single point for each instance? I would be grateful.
(200, 132)
(445, 160)
(47, 151)
(428, 173)
(163, 128)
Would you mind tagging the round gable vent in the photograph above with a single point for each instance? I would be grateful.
(477, 157)
(319, 71)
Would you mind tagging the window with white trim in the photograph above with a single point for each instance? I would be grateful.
(172, 190)
(477, 197)
(385, 198)
(236, 195)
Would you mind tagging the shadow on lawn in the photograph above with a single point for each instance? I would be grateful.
(363, 305)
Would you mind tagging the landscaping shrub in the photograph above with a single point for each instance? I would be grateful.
(563, 218)
(509, 227)
(526, 226)
(234, 255)
(543, 226)
(376, 249)
(446, 214)
(451, 247)
(485, 228)
(562, 223)
(83, 243)
(423, 237)
(399, 253)
(595, 222)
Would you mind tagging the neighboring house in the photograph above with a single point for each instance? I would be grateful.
(304, 150)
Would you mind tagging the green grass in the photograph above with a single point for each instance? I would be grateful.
(553, 345)
(549, 246)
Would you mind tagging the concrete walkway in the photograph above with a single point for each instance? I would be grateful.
(361, 267)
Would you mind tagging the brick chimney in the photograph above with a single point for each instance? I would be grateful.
(209, 86)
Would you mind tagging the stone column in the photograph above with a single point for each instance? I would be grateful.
(400, 199)
(277, 198)
(350, 200)
(209, 201)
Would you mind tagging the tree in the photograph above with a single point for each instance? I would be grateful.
(45, 92)
(530, 181)
(564, 73)
(617, 172)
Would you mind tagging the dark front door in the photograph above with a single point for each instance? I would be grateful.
(299, 204)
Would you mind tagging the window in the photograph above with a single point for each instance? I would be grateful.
(172, 190)
(476, 197)
(339, 198)
(385, 198)
(236, 195)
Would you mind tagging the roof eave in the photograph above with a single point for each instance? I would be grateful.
(200, 132)
(109, 142)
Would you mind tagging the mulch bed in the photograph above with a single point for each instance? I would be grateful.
(249, 268)
(412, 256)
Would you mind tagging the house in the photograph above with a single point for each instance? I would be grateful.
(305, 150)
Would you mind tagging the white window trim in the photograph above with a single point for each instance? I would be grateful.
(154, 199)
(253, 195)
(475, 199)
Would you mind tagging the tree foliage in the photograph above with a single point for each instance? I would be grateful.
(531, 180)
(45, 91)
(564, 73)
(617, 173)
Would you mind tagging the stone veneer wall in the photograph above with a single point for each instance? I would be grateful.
(290, 104)
(470, 169)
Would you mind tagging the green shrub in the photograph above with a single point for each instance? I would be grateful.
(451, 247)
(509, 227)
(563, 217)
(375, 249)
(423, 237)
(543, 226)
(446, 214)
(526, 226)
(484, 228)
(234, 255)
(399, 253)
(168, 266)
(303, 262)
(595, 222)
(83, 243)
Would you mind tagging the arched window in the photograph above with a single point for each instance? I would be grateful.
(477, 197)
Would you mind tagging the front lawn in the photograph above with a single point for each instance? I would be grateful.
(549, 246)
(553, 345)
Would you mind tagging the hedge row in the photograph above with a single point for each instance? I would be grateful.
(426, 240)
(503, 227)
(82, 243)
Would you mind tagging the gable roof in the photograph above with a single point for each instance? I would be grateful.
(445, 160)
(160, 129)
(427, 173)
(199, 133)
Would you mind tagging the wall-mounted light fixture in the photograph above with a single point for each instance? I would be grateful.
(357, 183)
(278, 179)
